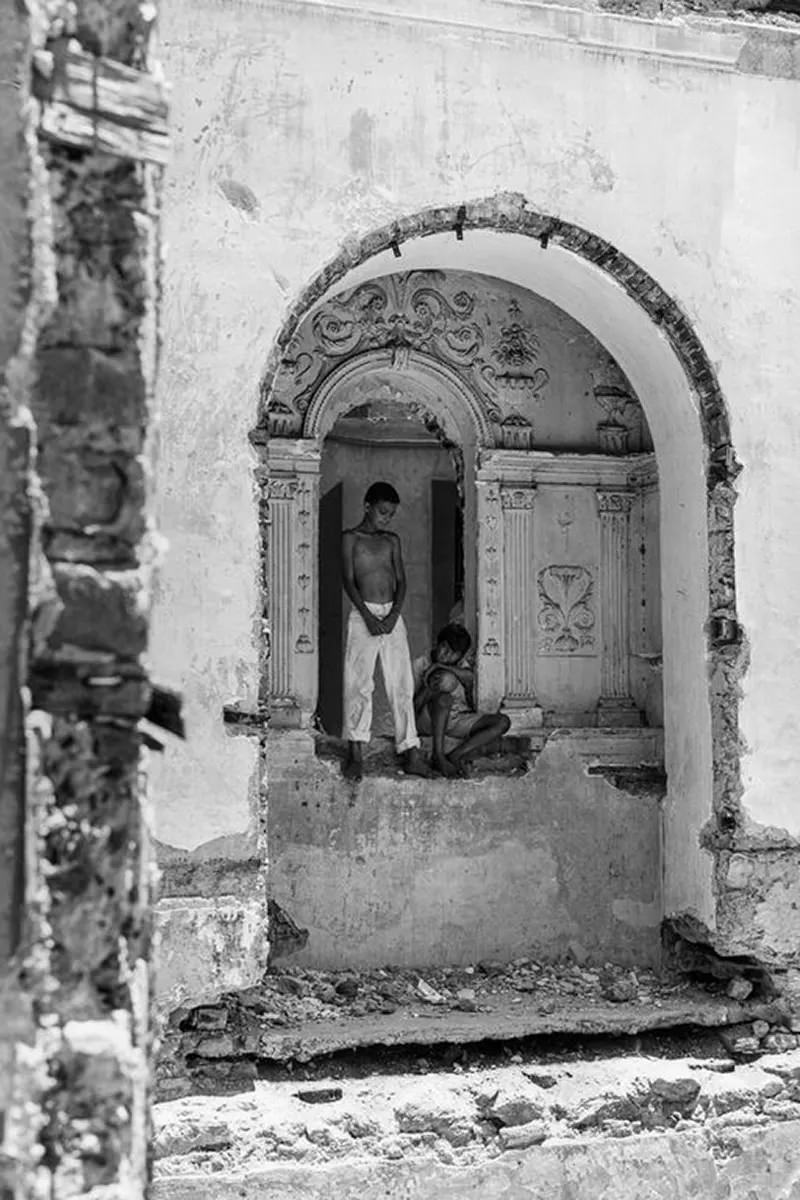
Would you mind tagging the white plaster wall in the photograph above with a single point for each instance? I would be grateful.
(334, 123)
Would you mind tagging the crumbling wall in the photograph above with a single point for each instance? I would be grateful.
(91, 140)
(296, 125)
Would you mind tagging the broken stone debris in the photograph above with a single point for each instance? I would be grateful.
(475, 1116)
(227, 1038)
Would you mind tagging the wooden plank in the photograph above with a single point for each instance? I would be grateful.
(101, 85)
(62, 123)
(96, 103)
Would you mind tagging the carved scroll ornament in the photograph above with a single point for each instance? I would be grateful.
(407, 312)
(566, 617)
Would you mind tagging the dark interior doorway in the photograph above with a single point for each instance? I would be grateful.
(447, 552)
(387, 441)
(331, 605)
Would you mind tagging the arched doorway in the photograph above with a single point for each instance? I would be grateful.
(664, 364)
(561, 610)
(384, 438)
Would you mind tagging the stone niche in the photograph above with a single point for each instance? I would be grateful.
(530, 423)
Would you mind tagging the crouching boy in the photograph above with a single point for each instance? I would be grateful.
(444, 703)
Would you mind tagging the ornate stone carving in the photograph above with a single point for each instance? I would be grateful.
(517, 497)
(415, 311)
(305, 632)
(614, 502)
(622, 410)
(490, 516)
(281, 489)
(515, 433)
(404, 311)
(517, 351)
(284, 421)
(566, 616)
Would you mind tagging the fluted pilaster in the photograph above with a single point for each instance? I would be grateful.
(517, 504)
(615, 706)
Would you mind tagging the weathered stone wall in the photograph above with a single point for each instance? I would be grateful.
(413, 873)
(14, 453)
(84, 160)
(289, 154)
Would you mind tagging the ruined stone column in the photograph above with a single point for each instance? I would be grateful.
(518, 594)
(281, 495)
(292, 517)
(615, 706)
(490, 659)
(306, 589)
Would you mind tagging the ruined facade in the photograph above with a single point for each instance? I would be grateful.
(300, 205)
(562, 301)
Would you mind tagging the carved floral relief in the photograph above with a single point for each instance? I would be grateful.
(622, 413)
(409, 311)
(517, 351)
(566, 615)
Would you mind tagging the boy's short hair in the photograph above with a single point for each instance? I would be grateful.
(381, 491)
(456, 637)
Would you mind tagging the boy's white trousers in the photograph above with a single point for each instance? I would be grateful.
(361, 651)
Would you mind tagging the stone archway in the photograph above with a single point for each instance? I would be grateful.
(444, 400)
(654, 342)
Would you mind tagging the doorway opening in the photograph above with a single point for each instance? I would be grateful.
(387, 439)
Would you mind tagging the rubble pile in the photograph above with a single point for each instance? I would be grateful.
(295, 994)
(470, 1116)
(220, 1047)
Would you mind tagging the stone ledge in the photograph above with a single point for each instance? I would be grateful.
(508, 1021)
(720, 41)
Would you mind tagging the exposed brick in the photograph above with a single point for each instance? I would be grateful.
(103, 610)
(112, 690)
(81, 385)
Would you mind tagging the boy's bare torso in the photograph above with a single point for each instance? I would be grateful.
(373, 558)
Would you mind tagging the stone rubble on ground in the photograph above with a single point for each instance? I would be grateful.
(473, 1116)
(240, 1026)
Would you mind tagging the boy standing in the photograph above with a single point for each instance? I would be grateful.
(374, 579)
(444, 702)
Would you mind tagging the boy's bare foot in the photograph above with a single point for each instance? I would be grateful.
(444, 767)
(414, 764)
(353, 768)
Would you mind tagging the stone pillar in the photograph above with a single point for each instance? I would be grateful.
(280, 534)
(291, 535)
(518, 595)
(615, 706)
(490, 658)
(305, 592)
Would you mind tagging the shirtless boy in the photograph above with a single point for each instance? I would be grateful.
(374, 579)
(444, 703)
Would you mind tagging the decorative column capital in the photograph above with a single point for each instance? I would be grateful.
(613, 502)
(517, 497)
(281, 489)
